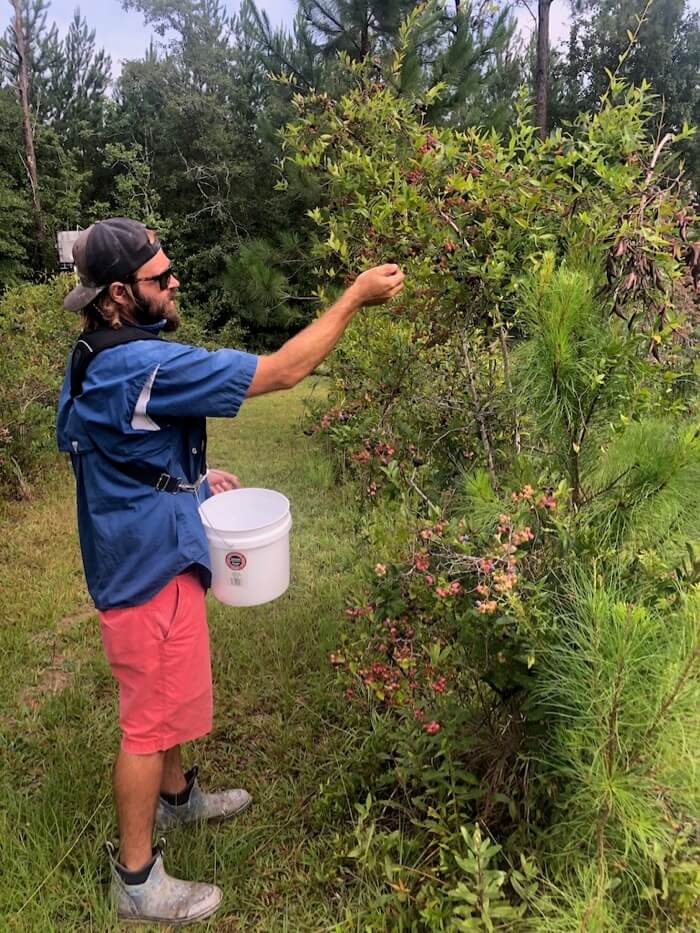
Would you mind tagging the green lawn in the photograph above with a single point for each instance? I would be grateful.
(278, 722)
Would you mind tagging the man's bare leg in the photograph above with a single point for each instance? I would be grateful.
(137, 783)
(173, 780)
(157, 897)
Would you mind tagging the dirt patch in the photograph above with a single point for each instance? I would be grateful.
(54, 678)
(82, 614)
(63, 655)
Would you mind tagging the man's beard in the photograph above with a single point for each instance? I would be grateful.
(155, 310)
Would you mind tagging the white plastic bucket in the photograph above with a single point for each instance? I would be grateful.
(248, 535)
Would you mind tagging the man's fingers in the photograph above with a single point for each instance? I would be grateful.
(223, 481)
(391, 282)
(388, 270)
(380, 283)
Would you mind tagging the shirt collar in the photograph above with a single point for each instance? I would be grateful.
(153, 328)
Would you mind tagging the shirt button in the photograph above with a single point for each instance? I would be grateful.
(194, 450)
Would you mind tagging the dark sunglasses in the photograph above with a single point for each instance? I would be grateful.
(163, 278)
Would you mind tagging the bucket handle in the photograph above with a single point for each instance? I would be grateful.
(205, 520)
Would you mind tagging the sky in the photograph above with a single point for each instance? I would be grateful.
(124, 35)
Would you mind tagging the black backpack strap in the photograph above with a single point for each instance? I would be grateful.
(152, 476)
(92, 342)
(89, 345)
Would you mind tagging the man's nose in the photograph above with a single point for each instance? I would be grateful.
(174, 282)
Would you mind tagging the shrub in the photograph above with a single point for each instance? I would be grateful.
(36, 336)
(527, 413)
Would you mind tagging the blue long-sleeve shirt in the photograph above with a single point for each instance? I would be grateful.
(146, 401)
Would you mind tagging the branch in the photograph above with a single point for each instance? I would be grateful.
(509, 385)
(448, 220)
(478, 414)
(412, 484)
(529, 9)
(601, 492)
(633, 41)
(671, 698)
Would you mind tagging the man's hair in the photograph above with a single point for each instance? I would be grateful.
(103, 311)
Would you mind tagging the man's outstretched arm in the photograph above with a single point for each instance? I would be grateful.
(302, 353)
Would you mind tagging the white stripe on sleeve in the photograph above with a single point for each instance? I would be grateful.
(141, 421)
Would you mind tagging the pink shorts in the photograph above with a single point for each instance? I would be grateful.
(159, 654)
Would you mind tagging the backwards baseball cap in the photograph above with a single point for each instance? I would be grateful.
(108, 251)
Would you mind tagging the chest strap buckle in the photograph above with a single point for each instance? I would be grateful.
(168, 483)
(191, 487)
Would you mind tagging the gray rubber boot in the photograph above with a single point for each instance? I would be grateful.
(161, 899)
(201, 806)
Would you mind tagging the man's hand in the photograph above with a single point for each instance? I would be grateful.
(221, 481)
(302, 353)
(377, 285)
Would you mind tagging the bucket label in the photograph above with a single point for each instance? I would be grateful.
(235, 560)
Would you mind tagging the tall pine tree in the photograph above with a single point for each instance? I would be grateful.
(460, 45)
(192, 112)
(666, 53)
(68, 77)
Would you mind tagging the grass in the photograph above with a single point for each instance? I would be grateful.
(279, 723)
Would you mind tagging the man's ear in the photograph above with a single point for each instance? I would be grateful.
(118, 292)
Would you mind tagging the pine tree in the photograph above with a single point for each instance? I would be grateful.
(76, 85)
(67, 78)
(15, 204)
(212, 173)
(460, 46)
(42, 50)
(21, 74)
(666, 53)
(357, 27)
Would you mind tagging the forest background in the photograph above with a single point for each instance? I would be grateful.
(520, 653)
(186, 136)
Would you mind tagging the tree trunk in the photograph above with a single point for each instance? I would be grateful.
(542, 67)
(364, 38)
(23, 92)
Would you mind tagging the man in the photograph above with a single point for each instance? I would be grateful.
(132, 417)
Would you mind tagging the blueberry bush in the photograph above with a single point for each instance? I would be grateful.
(522, 653)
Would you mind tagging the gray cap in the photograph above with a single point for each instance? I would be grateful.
(108, 251)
